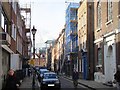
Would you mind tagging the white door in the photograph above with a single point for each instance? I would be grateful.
(110, 64)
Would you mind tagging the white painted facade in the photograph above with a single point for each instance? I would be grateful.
(15, 62)
(109, 56)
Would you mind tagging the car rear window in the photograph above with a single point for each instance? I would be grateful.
(48, 76)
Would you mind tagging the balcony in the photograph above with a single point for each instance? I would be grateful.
(5, 39)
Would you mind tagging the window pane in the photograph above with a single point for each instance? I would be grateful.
(109, 10)
(99, 15)
(99, 56)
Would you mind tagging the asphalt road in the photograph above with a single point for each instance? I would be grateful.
(68, 84)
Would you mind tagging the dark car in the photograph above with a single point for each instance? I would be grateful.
(50, 80)
(41, 72)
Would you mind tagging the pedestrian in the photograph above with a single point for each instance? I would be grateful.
(117, 78)
(29, 72)
(11, 81)
(75, 77)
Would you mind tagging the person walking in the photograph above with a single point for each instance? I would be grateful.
(11, 81)
(117, 78)
(75, 77)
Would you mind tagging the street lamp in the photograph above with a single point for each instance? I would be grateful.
(33, 32)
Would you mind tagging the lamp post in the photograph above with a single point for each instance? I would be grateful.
(33, 32)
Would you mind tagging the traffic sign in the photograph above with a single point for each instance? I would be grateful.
(32, 62)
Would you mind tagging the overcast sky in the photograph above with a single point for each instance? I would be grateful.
(48, 17)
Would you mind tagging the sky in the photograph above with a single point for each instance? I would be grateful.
(48, 17)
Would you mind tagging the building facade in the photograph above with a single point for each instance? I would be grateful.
(61, 41)
(71, 37)
(107, 39)
(85, 39)
(58, 58)
(12, 37)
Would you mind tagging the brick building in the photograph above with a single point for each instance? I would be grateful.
(85, 39)
(107, 39)
(13, 39)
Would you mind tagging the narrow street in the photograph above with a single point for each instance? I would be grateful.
(41, 40)
(66, 83)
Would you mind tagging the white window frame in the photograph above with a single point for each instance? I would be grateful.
(99, 56)
(2, 20)
(14, 32)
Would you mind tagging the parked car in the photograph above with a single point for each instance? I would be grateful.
(41, 72)
(50, 80)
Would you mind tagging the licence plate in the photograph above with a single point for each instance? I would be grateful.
(50, 84)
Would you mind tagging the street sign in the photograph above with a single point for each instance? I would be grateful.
(32, 62)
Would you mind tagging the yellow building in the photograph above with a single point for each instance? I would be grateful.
(58, 52)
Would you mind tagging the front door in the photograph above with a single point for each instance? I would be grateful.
(110, 64)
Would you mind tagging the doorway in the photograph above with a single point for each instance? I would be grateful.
(110, 64)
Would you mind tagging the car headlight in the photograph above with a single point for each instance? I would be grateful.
(57, 82)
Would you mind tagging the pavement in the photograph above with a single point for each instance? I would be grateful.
(27, 84)
(93, 84)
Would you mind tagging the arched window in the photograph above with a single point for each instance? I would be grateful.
(99, 14)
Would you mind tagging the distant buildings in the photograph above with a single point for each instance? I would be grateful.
(91, 40)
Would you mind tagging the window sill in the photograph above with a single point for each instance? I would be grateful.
(98, 66)
(98, 29)
(110, 21)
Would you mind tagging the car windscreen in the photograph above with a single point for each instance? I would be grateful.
(50, 76)
(42, 72)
